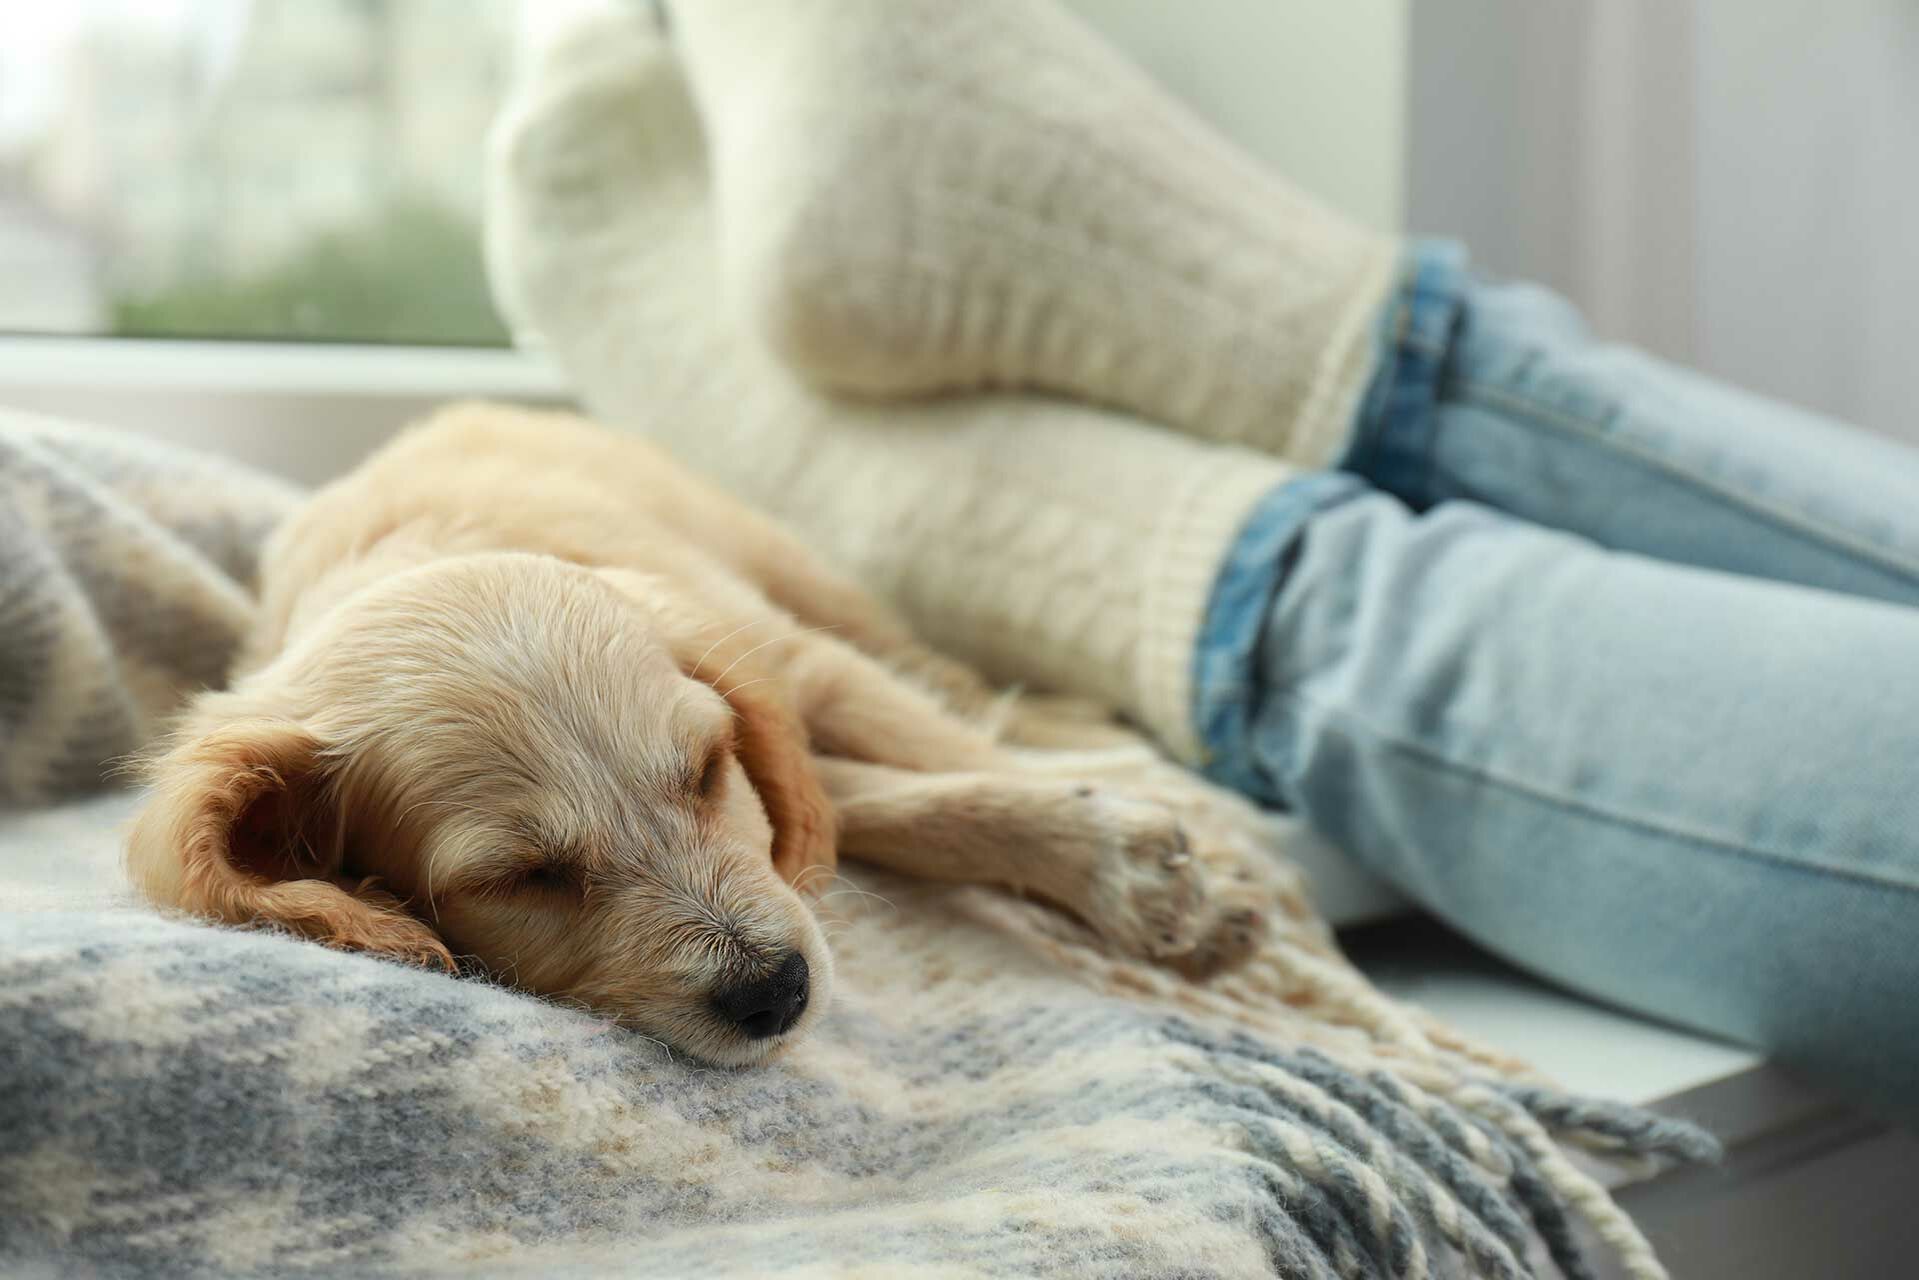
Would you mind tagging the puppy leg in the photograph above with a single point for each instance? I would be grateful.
(863, 708)
(1121, 864)
(857, 710)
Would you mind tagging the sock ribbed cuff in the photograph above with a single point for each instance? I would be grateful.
(1202, 521)
(1345, 370)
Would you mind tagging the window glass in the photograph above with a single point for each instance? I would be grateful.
(295, 169)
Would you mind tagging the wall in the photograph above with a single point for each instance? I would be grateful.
(1730, 183)
(1317, 90)
(1808, 238)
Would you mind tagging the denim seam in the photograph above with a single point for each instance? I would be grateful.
(1552, 417)
(1425, 755)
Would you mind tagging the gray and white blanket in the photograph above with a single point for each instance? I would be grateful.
(124, 571)
(992, 1096)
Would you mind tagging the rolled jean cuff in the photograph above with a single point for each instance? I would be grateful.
(1226, 681)
(1392, 440)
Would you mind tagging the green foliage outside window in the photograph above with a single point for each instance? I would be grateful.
(412, 274)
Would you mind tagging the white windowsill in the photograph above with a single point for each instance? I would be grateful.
(283, 368)
(308, 411)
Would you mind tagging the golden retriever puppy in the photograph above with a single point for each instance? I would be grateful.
(524, 691)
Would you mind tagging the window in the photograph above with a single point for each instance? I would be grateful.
(269, 169)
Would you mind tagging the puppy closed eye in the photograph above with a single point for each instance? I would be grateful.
(546, 877)
(711, 774)
(541, 877)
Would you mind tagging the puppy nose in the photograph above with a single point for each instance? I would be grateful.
(767, 1006)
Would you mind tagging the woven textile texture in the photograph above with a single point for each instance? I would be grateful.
(992, 1096)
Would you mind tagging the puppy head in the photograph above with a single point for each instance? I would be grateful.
(501, 757)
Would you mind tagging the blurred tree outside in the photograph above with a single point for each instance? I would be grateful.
(412, 273)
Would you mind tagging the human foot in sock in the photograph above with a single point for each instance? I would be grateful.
(918, 196)
(1047, 543)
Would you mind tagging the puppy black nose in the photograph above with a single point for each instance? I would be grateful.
(767, 1006)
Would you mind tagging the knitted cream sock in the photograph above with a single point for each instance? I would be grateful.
(922, 195)
(1044, 541)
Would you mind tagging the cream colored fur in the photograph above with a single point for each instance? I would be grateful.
(526, 692)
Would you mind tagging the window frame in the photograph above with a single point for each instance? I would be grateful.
(305, 410)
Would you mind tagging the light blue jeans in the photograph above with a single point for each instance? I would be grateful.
(1614, 668)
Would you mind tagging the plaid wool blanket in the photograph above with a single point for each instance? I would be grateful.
(992, 1095)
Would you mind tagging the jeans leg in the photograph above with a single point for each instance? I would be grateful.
(1524, 412)
(1690, 793)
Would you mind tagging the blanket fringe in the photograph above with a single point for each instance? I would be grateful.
(1405, 1120)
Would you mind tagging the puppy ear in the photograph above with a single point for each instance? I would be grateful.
(778, 760)
(773, 747)
(242, 827)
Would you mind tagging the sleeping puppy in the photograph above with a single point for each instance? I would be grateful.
(524, 691)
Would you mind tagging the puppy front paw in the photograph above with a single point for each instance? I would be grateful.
(1236, 923)
(1232, 846)
(1144, 892)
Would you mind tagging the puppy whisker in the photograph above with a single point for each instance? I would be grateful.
(749, 623)
(851, 891)
(801, 880)
(791, 635)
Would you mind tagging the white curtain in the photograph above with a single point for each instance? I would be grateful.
(1731, 183)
